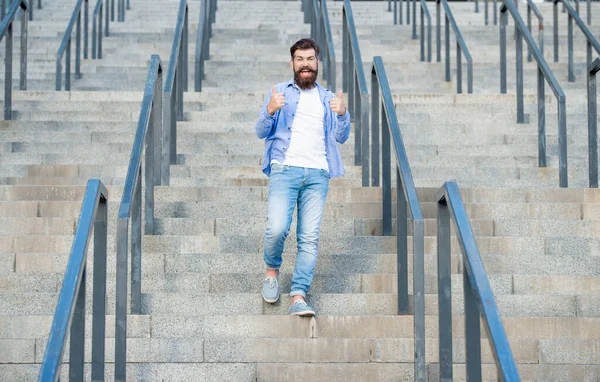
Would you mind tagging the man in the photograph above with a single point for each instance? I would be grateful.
(303, 124)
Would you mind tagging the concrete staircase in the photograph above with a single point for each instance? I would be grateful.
(203, 316)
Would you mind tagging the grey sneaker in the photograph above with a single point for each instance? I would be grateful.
(300, 308)
(270, 290)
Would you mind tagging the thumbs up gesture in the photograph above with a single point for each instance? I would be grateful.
(337, 104)
(277, 101)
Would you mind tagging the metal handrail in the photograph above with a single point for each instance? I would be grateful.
(3, 9)
(544, 75)
(593, 68)
(532, 7)
(591, 40)
(65, 45)
(6, 29)
(121, 9)
(425, 14)
(97, 28)
(461, 46)
(147, 140)
(486, 12)
(478, 296)
(69, 318)
(320, 31)
(406, 201)
(205, 21)
(355, 83)
(175, 84)
(398, 14)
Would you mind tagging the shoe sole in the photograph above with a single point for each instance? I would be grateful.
(271, 301)
(303, 314)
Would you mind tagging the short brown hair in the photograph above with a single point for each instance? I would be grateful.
(305, 44)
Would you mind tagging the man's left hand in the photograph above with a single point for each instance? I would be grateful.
(337, 104)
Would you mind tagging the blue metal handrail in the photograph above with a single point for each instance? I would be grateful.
(121, 11)
(544, 75)
(355, 83)
(97, 31)
(593, 68)
(461, 46)
(70, 310)
(205, 21)
(6, 29)
(532, 7)
(407, 201)
(175, 84)
(65, 46)
(486, 12)
(425, 14)
(590, 39)
(478, 296)
(320, 31)
(148, 143)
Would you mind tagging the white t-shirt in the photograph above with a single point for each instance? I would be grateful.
(307, 143)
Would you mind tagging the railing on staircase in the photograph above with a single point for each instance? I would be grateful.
(207, 17)
(99, 10)
(479, 299)
(406, 201)
(147, 148)
(531, 7)
(593, 68)
(590, 39)
(425, 14)
(398, 14)
(320, 31)
(355, 83)
(175, 84)
(65, 46)
(4, 4)
(487, 12)
(544, 75)
(461, 47)
(6, 29)
(69, 318)
(121, 9)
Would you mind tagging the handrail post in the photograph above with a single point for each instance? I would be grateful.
(85, 29)
(438, 29)
(77, 335)
(570, 49)
(422, 36)
(520, 103)
(407, 12)
(589, 12)
(386, 189)
(374, 131)
(541, 82)
(458, 69)
(555, 30)
(444, 290)
(486, 11)
(401, 240)
(503, 22)
(8, 61)
(414, 27)
(24, 33)
(362, 105)
(592, 126)
(395, 10)
(562, 142)
(472, 330)
(495, 13)
(529, 28)
(447, 42)
(78, 48)
(99, 296)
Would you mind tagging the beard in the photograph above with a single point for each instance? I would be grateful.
(306, 81)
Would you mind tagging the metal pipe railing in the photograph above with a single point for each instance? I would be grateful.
(479, 302)
(461, 47)
(425, 14)
(69, 318)
(6, 29)
(175, 84)
(486, 12)
(544, 75)
(122, 6)
(591, 41)
(532, 7)
(146, 148)
(355, 83)
(320, 31)
(205, 21)
(593, 68)
(65, 46)
(99, 10)
(406, 202)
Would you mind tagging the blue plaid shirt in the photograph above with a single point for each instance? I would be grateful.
(277, 128)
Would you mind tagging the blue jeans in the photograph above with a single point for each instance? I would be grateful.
(290, 186)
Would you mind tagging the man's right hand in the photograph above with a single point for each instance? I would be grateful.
(277, 101)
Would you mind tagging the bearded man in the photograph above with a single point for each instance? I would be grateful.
(303, 123)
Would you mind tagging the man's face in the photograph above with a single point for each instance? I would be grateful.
(306, 68)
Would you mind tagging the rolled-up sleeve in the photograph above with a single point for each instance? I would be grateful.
(342, 127)
(266, 121)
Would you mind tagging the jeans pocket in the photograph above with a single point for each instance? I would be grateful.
(325, 173)
(277, 168)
